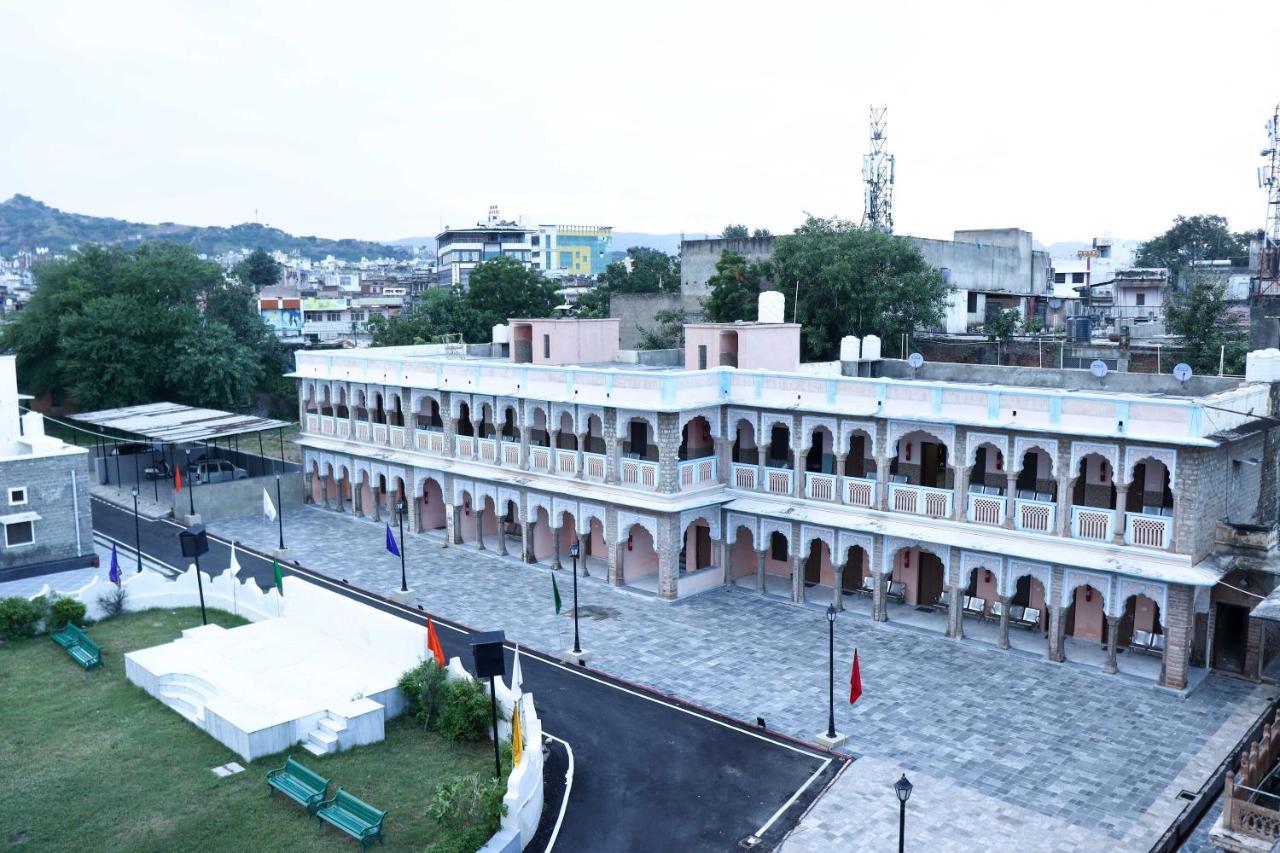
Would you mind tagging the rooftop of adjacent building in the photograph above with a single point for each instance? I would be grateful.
(22, 435)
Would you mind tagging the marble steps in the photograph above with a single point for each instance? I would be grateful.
(323, 739)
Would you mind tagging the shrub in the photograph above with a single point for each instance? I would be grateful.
(469, 810)
(464, 712)
(20, 617)
(113, 601)
(422, 687)
(64, 610)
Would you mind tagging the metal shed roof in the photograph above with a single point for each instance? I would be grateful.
(176, 423)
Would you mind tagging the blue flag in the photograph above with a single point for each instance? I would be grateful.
(391, 542)
(115, 566)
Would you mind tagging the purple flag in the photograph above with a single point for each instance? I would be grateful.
(115, 566)
(391, 542)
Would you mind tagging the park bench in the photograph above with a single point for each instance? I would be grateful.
(897, 590)
(1029, 618)
(1147, 642)
(868, 586)
(944, 601)
(82, 650)
(974, 606)
(354, 817)
(303, 786)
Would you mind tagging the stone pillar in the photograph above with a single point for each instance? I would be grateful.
(357, 501)
(761, 556)
(882, 482)
(797, 567)
(955, 612)
(1179, 620)
(324, 491)
(415, 516)
(668, 441)
(502, 535)
(555, 546)
(338, 488)
(478, 511)
(1174, 540)
(524, 447)
(616, 569)
(1057, 627)
(448, 427)
(377, 504)
(554, 440)
(307, 484)
(1113, 632)
(840, 492)
(668, 545)
(1063, 519)
(1004, 621)
(612, 448)
(960, 511)
(526, 542)
(1010, 489)
(580, 462)
(837, 599)
(879, 612)
(798, 451)
(1122, 494)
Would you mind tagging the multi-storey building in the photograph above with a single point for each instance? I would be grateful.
(1048, 511)
(458, 250)
(572, 251)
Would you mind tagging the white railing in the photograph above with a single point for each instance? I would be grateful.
(860, 491)
(313, 423)
(986, 509)
(539, 458)
(510, 454)
(362, 430)
(638, 473)
(431, 440)
(777, 481)
(326, 425)
(695, 472)
(1147, 531)
(464, 446)
(344, 428)
(1090, 522)
(594, 464)
(744, 475)
(566, 462)
(1036, 516)
(397, 436)
(920, 500)
(379, 433)
(488, 450)
(820, 487)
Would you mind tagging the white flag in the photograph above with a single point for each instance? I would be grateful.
(516, 687)
(268, 508)
(234, 568)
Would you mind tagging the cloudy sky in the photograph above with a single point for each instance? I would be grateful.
(380, 120)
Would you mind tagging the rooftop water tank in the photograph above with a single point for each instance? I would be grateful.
(772, 307)
(850, 348)
(501, 333)
(871, 348)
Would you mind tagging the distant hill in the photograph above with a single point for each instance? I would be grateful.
(26, 223)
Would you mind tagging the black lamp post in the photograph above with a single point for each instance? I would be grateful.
(831, 671)
(401, 507)
(191, 498)
(195, 541)
(279, 511)
(573, 552)
(903, 789)
(137, 529)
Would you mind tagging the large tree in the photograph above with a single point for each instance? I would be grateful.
(735, 288)
(1192, 238)
(504, 288)
(855, 282)
(440, 311)
(258, 270)
(1198, 313)
(646, 271)
(735, 232)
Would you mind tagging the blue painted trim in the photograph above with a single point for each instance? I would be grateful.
(937, 401)
(1055, 410)
(993, 405)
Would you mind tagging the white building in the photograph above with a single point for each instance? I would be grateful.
(458, 250)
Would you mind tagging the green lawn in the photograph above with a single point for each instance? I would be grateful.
(90, 762)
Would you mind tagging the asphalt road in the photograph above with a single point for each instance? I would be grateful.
(650, 772)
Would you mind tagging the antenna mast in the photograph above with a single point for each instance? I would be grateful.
(1269, 180)
(877, 174)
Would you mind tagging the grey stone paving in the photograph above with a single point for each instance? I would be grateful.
(1051, 747)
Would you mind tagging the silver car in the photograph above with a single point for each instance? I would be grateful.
(217, 471)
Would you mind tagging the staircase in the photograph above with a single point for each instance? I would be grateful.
(186, 694)
(323, 739)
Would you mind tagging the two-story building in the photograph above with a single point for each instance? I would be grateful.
(1047, 511)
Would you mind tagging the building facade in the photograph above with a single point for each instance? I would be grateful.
(572, 251)
(458, 250)
(1082, 520)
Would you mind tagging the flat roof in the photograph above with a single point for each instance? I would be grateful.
(175, 423)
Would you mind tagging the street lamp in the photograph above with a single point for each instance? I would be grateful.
(191, 496)
(195, 541)
(279, 511)
(831, 672)
(137, 530)
(401, 507)
(903, 789)
(573, 552)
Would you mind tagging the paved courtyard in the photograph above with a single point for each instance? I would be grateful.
(1004, 750)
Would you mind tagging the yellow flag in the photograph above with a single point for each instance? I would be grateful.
(517, 739)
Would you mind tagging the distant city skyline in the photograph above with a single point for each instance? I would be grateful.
(1069, 122)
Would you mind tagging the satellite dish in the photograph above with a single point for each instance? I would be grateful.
(1182, 371)
(1098, 368)
(916, 360)
(1055, 304)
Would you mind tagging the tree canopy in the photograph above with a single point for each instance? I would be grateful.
(1201, 237)
(652, 271)
(735, 288)
(1198, 313)
(503, 288)
(439, 311)
(855, 282)
(735, 232)
(258, 270)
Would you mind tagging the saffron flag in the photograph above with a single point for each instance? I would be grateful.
(391, 542)
(115, 566)
(433, 643)
(268, 508)
(177, 479)
(516, 679)
(855, 680)
(517, 736)
(555, 591)
(275, 566)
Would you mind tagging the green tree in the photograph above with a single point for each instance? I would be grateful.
(735, 232)
(651, 271)
(1200, 316)
(735, 288)
(211, 368)
(503, 288)
(258, 270)
(761, 234)
(1002, 324)
(667, 331)
(1192, 238)
(855, 282)
(439, 311)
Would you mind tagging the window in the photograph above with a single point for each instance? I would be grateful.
(334, 316)
(546, 346)
(973, 302)
(778, 546)
(1142, 298)
(1077, 278)
(702, 356)
(1059, 278)
(1104, 251)
(19, 533)
(17, 495)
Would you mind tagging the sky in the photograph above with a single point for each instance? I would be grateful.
(388, 120)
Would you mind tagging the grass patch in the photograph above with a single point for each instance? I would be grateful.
(90, 762)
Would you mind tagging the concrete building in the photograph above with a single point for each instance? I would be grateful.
(458, 250)
(572, 251)
(1084, 518)
(45, 522)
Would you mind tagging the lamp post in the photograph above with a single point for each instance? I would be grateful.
(137, 529)
(573, 552)
(903, 789)
(191, 497)
(195, 541)
(401, 507)
(280, 511)
(831, 672)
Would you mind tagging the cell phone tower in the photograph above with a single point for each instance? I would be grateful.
(877, 174)
(1269, 180)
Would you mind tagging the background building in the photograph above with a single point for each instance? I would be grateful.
(458, 250)
(572, 251)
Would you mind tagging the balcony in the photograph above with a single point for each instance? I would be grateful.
(594, 466)
(488, 450)
(777, 481)
(820, 487)
(431, 440)
(1035, 515)
(379, 433)
(344, 428)
(464, 446)
(697, 472)
(540, 459)
(1148, 530)
(397, 436)
(636, 472)
(860, 491)
(566, 462)
(326, 425)
(313, 423)
(986, 508)
(510, 453)
(362, 430)
(920, 500)
(744, 475)
(1093, 523)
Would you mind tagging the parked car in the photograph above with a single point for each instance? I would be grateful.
(217, 471)
(133, 447)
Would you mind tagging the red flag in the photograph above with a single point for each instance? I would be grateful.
(855, 680)
(433, 643)
(177, 479)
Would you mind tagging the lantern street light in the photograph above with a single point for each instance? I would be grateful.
(195, 541)
(831, 672)
(137, 531)
(573, 552)
(903, 789)
(402, 506)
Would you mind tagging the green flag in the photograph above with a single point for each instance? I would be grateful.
(555, 590)
(275, 564)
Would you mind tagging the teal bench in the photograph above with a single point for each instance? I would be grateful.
(82, 650)
(354, 817)
(303, 786)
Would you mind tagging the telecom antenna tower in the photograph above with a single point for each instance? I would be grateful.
(877, 174)
(1269, 180)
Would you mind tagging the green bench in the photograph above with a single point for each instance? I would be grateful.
(82, 650)
(354, 817)
(303, 786)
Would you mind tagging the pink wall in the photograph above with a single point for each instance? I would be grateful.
(1089, 619)
(1144, 614)
(697, 445)
(909, 576)
(986, 589)
(543, 547)
(431, 514)
(1094, 474)
(642, 559)
(573, 341)
(742, 556)
(768, 346)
